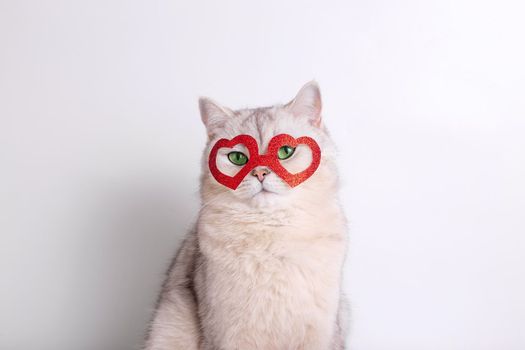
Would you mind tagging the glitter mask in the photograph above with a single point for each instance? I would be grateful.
(270, 159)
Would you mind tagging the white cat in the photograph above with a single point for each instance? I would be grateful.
(262, 269)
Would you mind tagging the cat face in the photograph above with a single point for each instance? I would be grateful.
(262, 186)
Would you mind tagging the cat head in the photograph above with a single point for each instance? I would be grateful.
(262, 186)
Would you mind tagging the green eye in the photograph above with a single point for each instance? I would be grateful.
(237, 158)
(285, 152)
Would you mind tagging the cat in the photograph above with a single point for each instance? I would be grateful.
(262, 267)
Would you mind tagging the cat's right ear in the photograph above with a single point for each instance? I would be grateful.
(213, 115)
(307, 104)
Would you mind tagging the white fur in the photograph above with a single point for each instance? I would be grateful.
(262, 270)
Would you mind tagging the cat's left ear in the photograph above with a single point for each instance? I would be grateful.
(307, 103)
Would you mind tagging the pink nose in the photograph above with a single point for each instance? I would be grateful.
(260, 173)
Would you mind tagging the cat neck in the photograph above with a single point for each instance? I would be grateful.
(241, 216)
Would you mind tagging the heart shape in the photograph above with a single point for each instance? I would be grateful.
(233, 181)
(269, 159)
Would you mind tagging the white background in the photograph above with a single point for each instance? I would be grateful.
(100, 144)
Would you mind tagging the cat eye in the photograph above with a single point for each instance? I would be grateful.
(237, 158)
(285, 152)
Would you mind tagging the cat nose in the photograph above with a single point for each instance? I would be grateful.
(260, 173)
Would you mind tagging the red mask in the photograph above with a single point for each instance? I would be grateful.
(269, 159)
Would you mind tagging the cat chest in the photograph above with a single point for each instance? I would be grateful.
(272, 295)
(264, 265)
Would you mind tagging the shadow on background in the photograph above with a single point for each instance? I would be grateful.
(131, 237)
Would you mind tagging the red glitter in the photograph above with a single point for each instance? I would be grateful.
(269, 159)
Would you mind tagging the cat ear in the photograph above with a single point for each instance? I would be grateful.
(307, 103)
(213, 115)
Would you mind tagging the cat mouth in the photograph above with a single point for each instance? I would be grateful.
(264, 191)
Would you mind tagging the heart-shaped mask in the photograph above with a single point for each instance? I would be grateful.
(270, 159)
